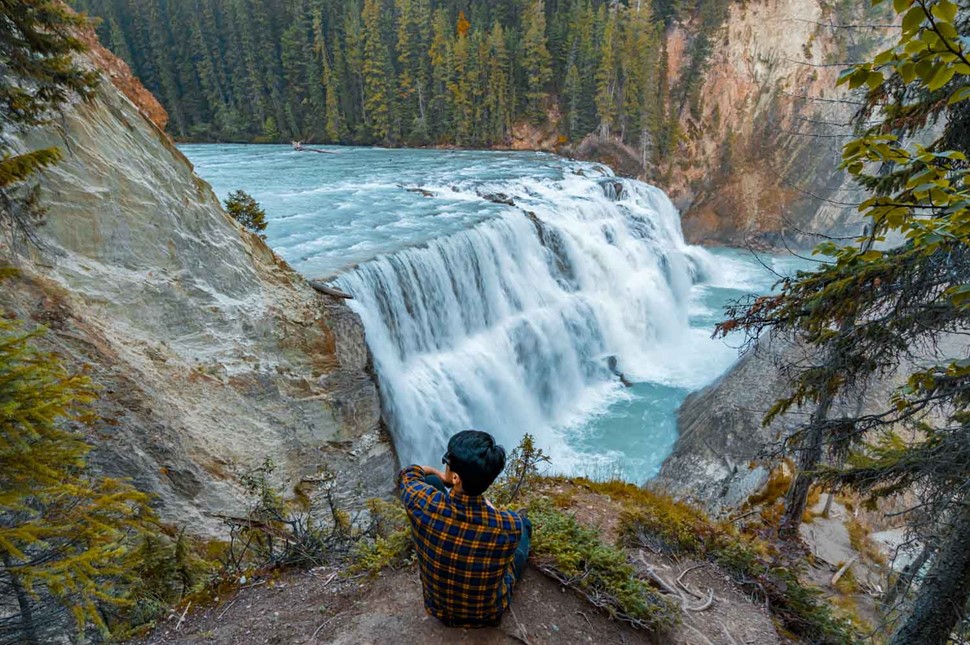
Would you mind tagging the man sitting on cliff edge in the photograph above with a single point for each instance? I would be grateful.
(470, 554)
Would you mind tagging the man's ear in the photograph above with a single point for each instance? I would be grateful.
(455, 479)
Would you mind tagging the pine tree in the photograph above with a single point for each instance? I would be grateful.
(867, 310)
(37, 45)
(422, 66)
(408, 55)
(333, 127)
(242, 207)
(634, 54)
(497, 99)
(572, 90)
(64, 533)
(581, 108)
(459, 85)
(652, 105)
(119, 44)
(377, 73)
(440, 58)
(606, 75)
(296, 65)
(536, 60)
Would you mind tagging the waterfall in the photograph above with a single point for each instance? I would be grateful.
(521, 322)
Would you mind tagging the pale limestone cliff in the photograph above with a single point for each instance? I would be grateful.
(211, 352)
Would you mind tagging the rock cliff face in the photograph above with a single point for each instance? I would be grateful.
(760, 152)
(716, 460)
(211, 352)
(724, 454)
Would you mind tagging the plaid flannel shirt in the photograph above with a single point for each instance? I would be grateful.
(465, 550)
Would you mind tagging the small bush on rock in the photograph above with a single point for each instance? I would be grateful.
(243, 208)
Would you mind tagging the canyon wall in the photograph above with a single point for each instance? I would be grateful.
(759, 155)
(724, 452)
(756, 159)
(210, 352)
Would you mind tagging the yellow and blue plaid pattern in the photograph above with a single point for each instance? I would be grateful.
(465, 550)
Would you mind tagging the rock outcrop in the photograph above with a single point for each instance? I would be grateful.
(724, 454)
(211, 353)
(717, 461)
(757, 157)
(760, 152)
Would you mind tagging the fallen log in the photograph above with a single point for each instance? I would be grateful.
(330, 291)
(299, 147)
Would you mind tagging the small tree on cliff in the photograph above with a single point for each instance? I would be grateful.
(243, 208)
(38, 41)
(65, 534)
(870, 312)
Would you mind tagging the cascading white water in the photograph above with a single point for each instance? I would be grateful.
(508, 326)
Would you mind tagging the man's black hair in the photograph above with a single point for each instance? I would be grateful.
(476, 458)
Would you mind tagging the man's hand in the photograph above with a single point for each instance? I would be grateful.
(447, 479)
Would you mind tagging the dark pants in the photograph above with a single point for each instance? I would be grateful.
(521, 551)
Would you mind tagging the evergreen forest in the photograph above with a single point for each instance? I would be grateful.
(412, 72)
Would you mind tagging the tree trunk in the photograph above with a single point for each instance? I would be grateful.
(905, 578)
(813, 448)
(23, 600)
(421, 104)
(827, 511)
(942, 595)
(809, 459)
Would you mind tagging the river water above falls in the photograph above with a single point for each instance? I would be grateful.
(509, 292)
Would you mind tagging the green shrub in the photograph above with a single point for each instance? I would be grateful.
(574, 555)
(390, 546)
(244, 209)
(521, 472)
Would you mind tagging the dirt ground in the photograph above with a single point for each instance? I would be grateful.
(323, 606)
(320, 607)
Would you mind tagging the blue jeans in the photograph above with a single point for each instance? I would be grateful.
(521, 551)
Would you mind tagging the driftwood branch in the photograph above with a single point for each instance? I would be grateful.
(845, 567)
(521, 635)
(299, 147)
(226, 609)
(685, 604)
(255, 525)
(330, 291)
(178, 626)
(683, 585)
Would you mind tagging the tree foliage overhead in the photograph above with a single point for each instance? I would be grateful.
(38, 74)
(408, 71)
(887, 302)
